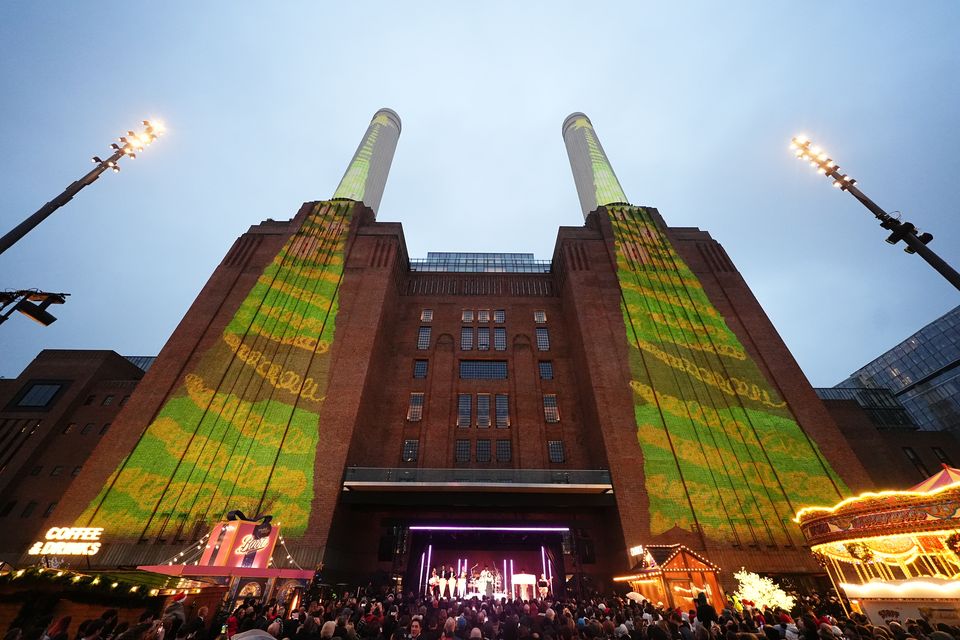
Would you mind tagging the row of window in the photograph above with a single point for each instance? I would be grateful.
(501, 409)
(482, 316)
(918, 463)
(483, 338)
(56, 471)
(87, 428)
(482, 369)
(484, 452)
(28, 509)
(41, 394)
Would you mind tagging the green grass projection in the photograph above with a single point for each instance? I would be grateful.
(242, 430)
(721, 449)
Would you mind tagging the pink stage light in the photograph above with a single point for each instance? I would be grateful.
(429, 565)
(506, 581)
(423, 557)
(455, 528)
(543, 559)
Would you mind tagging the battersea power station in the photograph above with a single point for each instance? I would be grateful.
(568, 419)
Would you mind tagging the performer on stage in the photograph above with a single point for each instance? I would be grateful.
(462, 584)
(451, 582)
(486, 582)
(433, 584)
(543, 586)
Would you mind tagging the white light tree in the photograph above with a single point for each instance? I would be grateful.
(762, 591)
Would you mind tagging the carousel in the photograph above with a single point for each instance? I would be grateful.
(893, 553)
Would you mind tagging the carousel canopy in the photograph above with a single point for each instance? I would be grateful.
(943, 478)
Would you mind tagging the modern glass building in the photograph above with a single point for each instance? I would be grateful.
(923, 372)
(453, 262)
(880, 405)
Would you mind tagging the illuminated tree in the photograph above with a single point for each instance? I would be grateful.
(761, 591)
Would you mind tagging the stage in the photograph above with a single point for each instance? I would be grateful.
(494, 561)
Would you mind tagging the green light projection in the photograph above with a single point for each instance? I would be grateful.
(721, 449)
(241, 432)
(608, 189)
(353, 186)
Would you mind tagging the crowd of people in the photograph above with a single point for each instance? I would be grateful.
(429, 618)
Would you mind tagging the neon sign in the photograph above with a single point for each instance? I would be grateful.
(68, 541)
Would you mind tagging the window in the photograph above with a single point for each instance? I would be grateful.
(411, 450)
(543, 339)
(464, 409)
(942, 456)
(104, 428)
(502, 401)
(420, 369)
(555, 450)
(36, 470)
(39, 395)
(69, 427)
(503, 451)
(123, 400)
(90, 400)
(466, 338)
(483, 451)
(415, 410)
(551, 413)
(28, 510)
(540, 317)
(76, 471)
(483, 409)
(49, 509)
(426, 315)
(462, 451)
(7, 508)
(917, 462)
(483, 369)
(499, 316)
(57, 470)
(483, 338)
(423, 338)
(107, 400)
(546, 370)
(467, 315)
(483, 315)
(499, 339)
(87, 428)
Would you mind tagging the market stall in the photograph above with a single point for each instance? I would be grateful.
(674, 575)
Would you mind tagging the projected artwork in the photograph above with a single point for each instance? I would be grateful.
(241, 432)
(721, 449)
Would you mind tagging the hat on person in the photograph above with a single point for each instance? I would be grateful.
(622, 631)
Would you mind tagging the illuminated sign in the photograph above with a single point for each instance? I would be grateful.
(241, 543)
(68, 541)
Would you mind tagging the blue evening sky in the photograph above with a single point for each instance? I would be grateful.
(695, 104)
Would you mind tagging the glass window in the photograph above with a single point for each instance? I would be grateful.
(462, 452)
(415, 409)
(543, 339)
(464, 409)
(28, 510)
(36, 470)
(7, 508)
(483, 315)
(917, 462)
(90, 400)
(57, 470)
(546, 370)
(483, 338)
(551, 412)
(466, 338)
(539, 317)
(107, 400)
(504, 452)
(483, 369)
(499, 339)
(423, 338)
(70, 427)
(76, 471)
(499, 316)
(426, 315)
(483, 451)
(420, 369)
(87, 428)
(411, 450)
(483, 409)
(104, 428)
(123, 400)
(39, 395)
(49, 509)
(942, 456)
(502, 402)
(555, 450)
(467, 315)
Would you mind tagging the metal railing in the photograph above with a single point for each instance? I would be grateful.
(478, 476)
